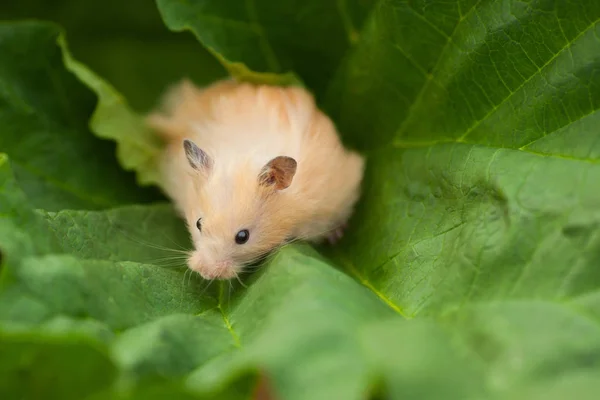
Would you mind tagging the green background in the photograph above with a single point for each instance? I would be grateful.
(470, 268)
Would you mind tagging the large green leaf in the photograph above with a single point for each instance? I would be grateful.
(480, 122)
(500, 73)
(474, 248)
(95, 280)
(304, 37)
(44, 113)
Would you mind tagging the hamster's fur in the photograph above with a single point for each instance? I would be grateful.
(259, 158)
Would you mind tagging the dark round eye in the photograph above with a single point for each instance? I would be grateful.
(242, 236)
(199, 224)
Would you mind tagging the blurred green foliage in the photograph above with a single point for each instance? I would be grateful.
(124, 41)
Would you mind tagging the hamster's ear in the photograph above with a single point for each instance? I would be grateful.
(197, 158)
(278, 172)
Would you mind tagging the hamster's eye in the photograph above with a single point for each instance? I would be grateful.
(199, 224)
(242, 236)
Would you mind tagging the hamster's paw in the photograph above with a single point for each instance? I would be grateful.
(336, 235)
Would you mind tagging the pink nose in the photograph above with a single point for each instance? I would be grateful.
(220, 270)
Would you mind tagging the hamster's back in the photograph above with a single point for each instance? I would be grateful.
(236, 122)
(263, 122)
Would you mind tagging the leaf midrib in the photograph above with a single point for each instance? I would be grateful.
(421, 145)
(350, 267)
(532, 76)
(430, 77)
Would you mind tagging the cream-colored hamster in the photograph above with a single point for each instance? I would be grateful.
(250, 167)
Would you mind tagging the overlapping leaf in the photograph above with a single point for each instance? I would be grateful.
(480, 221)
(259, 38)
(95, 296)
(43, 127)
(88, 290)
(127, 43)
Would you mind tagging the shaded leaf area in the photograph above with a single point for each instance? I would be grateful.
(21, 372)
(306, 38)
(44, 113)
(138, 149)
(138, 56)
(125, 42)
(480, 203)
(478, 223)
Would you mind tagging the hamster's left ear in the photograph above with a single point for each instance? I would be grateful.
(278, 172)
(197, 158)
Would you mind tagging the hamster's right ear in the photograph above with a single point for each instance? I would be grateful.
(278, 172)
(197, 158)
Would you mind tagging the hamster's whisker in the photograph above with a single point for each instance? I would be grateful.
(178, 256)
(153, 245)
(263, 257)
(172, 265)
(181, 263)
(306, 237)
(169, 258)
(184, 275)
(257, 262)
(174, 261)
(255, 259)
(190, 276)
(259, 258)
(268, 254)
(240, 281)
(206, 287)
(165, 248)
(174, 242)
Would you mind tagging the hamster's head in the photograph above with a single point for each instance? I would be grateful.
(234, 216)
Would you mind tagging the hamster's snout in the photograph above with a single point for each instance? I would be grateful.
(212, 270)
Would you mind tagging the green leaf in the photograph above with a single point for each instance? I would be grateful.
(138, 55)
(135, 66)
(44, 114)
(481, 203)
(268, 41)
(153, 323)
(474, 249)
(482, 186)
(36, 366)
(138, 148)
(68, 287)
(497, 73)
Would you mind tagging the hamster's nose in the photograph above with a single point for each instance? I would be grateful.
(210, 269)
(220, 270)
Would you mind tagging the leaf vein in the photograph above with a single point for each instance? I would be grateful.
(404, 123)
(539, 70)
(365, 282)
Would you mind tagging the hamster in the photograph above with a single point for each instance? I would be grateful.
(250, 167)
